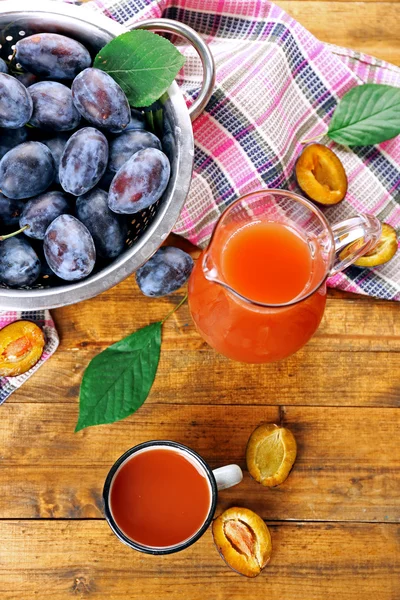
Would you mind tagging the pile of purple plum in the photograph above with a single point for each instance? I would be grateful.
(76, 163)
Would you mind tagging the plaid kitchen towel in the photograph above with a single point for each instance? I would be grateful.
(276, 85)
(8, 385)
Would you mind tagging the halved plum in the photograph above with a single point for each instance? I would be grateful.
(21, 346)
(270, 455)
(381, 254)
(321, 175)
(243, 540)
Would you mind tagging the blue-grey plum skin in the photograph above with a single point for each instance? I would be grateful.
(127, 144)
(26, 171)
(15, 103)
(9, 138)
(137, 121)
(56, 146)
(52, 56)
(10, 212)
(19, 263)
(3, 66)
(26, 78)
(83, 161)
(107, 229)
(69, 248)
(53, 108)
(140, 182)
(100, 100)
(165, 272)
(39, 212)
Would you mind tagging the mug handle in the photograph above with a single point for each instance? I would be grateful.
(228, 476)
(207, 59)
(353, 238)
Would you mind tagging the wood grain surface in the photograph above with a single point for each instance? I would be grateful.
(335, 522)
(51, 560)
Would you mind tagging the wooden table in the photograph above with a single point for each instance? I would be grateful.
(334, 522)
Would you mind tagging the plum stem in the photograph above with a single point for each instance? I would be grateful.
(185, 297)
(312, 139)
(10, 235)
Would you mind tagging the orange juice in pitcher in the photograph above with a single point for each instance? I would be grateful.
(258, 293)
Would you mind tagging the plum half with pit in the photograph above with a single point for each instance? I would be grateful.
(243, 540)
(21, 346)
(320, 175)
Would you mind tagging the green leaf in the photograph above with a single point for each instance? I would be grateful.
(367, 114)
(118, 380)
(143, 63)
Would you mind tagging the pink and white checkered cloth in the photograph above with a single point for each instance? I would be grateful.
(276, 85)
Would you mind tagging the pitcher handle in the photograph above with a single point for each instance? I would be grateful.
(204, 52)
(353, 238)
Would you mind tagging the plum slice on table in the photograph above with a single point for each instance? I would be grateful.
(243, 540)
(21, 346)
(320, 175)
(270, 455)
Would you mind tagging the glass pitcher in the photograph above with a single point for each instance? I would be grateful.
(245, 328)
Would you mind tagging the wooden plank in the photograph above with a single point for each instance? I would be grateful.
(368, 27)
(198, 374)
(348, 465)
(59, 560)
(369, 330)
(348, 324)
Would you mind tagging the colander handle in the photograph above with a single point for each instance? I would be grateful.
(202, 50)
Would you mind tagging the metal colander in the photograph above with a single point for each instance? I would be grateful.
(172, 120)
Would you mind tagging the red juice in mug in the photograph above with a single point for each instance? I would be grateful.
(160, 497)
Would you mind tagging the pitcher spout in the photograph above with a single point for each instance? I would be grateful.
(209, 268)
